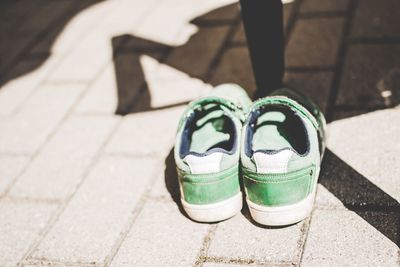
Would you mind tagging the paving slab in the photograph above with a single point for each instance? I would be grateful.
(167, 87)
(74, 31)
(350, 186)
(21, 9)
(235, 67)
(369, 71)
(43, 45)
(376, 19)
(25, 132)
(128, 140)
(161, 236)
(13, 48)
(47, 15)
(311, 6)
(341, 237)
(322, 36)
(180, 16)
(59, 168)
(196, 56)
(15, 14)
(101, 96)
(166, 184)
(261, 245)
(316, 85)
(21, 223)
(373, 154)
(213, 264)
(325, 199)
(86, 60)
(226, 14)
(10, 168)
(99, 212)
(15, 91)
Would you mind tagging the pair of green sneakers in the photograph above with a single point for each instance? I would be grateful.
(274, 145)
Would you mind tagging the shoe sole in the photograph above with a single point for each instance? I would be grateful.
(283, 215)
(214, 212)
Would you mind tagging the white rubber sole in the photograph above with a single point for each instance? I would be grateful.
(282, 215)
(214, 212)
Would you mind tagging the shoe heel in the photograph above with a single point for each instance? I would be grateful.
(214, 212)
(282, 215)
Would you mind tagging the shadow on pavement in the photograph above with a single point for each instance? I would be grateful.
(32, 45)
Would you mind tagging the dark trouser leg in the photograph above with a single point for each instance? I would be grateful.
(263, 23)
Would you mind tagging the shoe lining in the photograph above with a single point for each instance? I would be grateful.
(277, 128)
(207, 130)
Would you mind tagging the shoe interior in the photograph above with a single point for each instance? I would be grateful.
(208, 130)
(277, 128)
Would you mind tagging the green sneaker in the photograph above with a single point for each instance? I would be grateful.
(282, 147)
(207, 153)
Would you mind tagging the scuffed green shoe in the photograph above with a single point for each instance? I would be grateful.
(207, 153)
(282, 147)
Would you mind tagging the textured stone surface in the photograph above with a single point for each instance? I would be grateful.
(16, 91)
(268, 245)
(340, 237)
(25, 132)
(350, 186)
(212, 264)
(161, 236)
(201, 47)
(20, 225)
(99, 212)
(10, 168)
(369, 70)
(166, 87)
(321, 36)
(11, 50)
(376, 19)
(149, 133)
(58, 169)
(101, 96)
(316, 85)
(58, 99)
(373, 154)
(325, 199)
(235, 67)
(324, 5)
(47, 15)
(166, 185)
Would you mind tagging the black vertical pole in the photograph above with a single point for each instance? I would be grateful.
(263, 24)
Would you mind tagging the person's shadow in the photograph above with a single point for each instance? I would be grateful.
(353, 189)
(35, 47)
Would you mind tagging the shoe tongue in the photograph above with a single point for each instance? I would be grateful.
(204, 163)
(267, 162)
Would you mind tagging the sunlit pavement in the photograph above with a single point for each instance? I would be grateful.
(90, 95)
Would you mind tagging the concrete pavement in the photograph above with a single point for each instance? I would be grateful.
(90, 95)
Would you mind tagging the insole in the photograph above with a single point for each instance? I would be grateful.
(266, 135)
(278, 129)
(211, 131)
